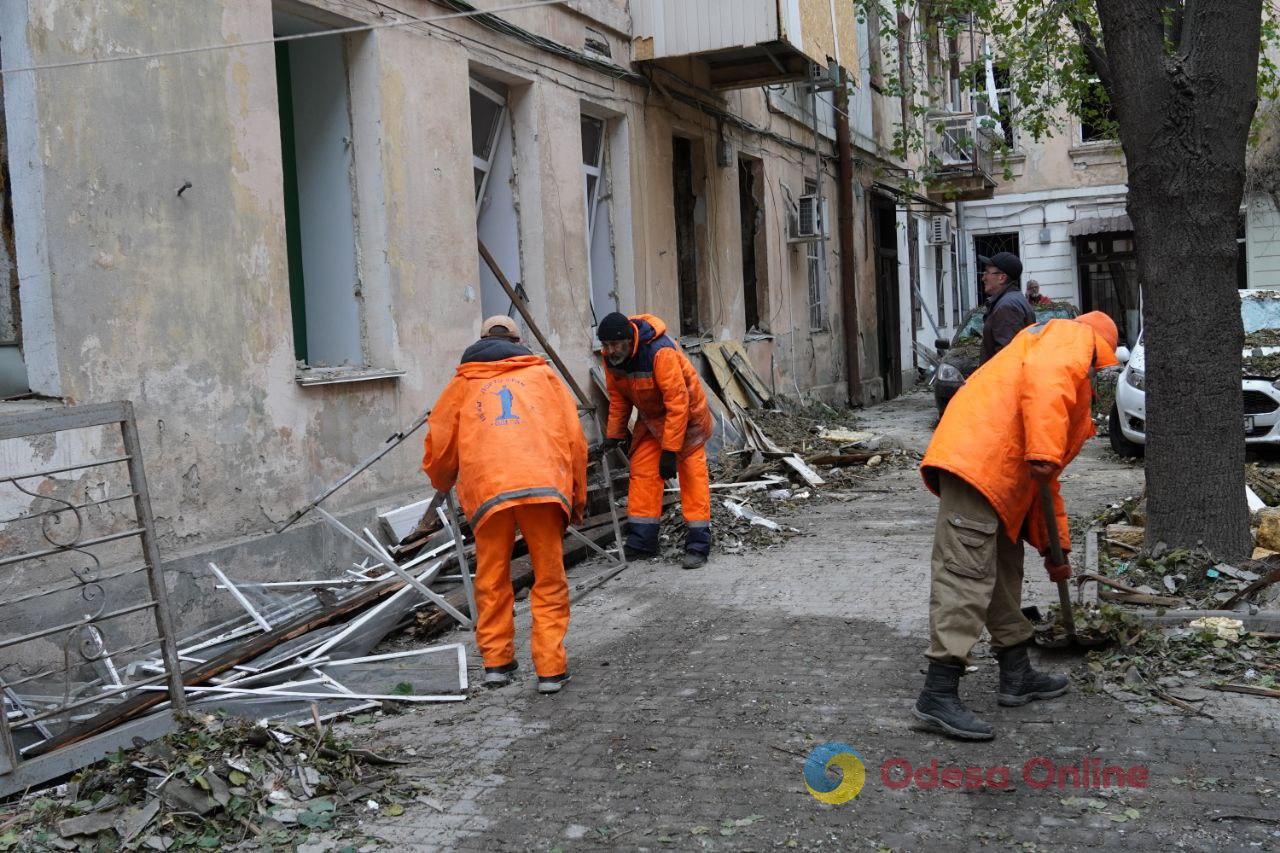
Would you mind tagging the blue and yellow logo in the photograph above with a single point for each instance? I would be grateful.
(833, 773)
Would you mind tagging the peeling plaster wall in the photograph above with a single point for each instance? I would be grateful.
(181, 303)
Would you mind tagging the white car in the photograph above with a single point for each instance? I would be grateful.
(1260, 311)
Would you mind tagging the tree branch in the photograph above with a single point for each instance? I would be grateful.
(1177, 21)
(1092, 49)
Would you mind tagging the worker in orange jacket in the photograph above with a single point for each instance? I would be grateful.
(506, 431)
(646, 370)
(1018, 421)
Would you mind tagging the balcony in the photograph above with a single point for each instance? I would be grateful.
(961, 150)
(739, 44)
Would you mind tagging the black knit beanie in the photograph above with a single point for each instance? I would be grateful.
(615, 327)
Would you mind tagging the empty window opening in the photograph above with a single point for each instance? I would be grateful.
(13, 372)
(493, 165)
(1097, 118)
(686, 238)
(600, 271)
(755, 266)
(317, 153)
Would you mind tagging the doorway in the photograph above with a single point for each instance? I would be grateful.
(884, 219)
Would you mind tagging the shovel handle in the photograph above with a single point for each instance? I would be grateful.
(1055, 551)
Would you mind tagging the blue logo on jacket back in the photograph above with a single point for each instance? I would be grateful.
(507, 399)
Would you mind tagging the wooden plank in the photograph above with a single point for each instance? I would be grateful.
(520, 305)
(746, 374)
(809, 475)
(732, 393)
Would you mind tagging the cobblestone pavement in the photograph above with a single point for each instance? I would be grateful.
(696, 697)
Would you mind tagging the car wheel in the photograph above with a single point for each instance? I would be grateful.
(1121, 445)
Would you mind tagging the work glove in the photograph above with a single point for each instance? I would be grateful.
(610, 444)
(1057, 573)
(667, 465)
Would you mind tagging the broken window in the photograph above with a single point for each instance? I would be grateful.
(813, 264)
(493, 165)
(997, 113)
(600, 273)
(686, 238)
(317, 154)
(1097, 118)
(13, 372)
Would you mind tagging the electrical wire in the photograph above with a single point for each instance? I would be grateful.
(470, 12)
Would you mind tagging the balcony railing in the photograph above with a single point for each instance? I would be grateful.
(962, 151)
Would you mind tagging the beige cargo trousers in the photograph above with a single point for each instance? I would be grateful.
(976, 577)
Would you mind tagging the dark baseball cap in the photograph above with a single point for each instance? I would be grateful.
(1006, 262)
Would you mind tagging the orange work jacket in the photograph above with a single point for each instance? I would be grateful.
(506, 433)
(1030, 402)
(662, 384)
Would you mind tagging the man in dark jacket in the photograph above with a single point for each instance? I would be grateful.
(1008, 311)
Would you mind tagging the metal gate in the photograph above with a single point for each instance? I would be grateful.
(81, 591)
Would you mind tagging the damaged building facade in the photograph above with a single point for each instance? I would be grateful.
(271, 244)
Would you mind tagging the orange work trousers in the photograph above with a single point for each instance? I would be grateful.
(543, 527)
(644, 496)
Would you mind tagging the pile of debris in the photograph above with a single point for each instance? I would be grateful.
(1176, 664)
(1129, 572)
(215, 783)
(296, 651)
(794, 458)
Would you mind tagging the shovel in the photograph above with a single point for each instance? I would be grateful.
(1072, 640)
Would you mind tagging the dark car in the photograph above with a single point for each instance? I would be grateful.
(960, 356)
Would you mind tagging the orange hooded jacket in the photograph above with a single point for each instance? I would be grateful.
(507, 433)
(660, 381)
(1031, 402)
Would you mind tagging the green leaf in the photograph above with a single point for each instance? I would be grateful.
(700, 830)
(202, 782)
(8, 840)
(236, 778)
(1132, 814)
(209, 842)
(393, 810)
(404, 688)
(323, 804)
(314, 820)
(1117, 818)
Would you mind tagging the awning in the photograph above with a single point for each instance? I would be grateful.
(1099, 225)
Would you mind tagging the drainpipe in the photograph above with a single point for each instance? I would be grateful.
(913, 254)
(848, 281)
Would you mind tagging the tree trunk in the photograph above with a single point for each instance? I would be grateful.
(1184, 119)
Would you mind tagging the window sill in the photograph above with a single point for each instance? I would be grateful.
(1100, 151)
(758, 336)
(306, 377)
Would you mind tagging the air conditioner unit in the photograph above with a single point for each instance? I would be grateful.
(940, 231)
(809, 220)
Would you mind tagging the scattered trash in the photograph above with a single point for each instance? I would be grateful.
(1224, 627)
(214, 783)
(741, 510)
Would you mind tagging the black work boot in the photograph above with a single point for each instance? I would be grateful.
(939, 705)
(1019, 683)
